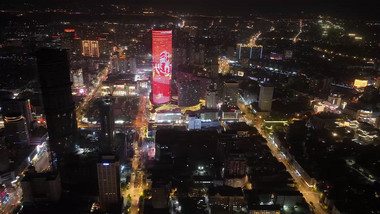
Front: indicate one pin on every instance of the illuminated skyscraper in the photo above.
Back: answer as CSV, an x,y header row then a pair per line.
x,y
86,48
162,65
90,48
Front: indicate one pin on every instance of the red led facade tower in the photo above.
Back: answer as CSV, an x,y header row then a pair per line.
x,y
162,65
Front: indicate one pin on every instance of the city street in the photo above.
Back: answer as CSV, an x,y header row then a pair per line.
x,y
80,110
13,201
136,184
311,196
15,192
308,193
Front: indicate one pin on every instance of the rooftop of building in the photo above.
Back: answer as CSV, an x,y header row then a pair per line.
x,y
31,174
225,191
360,106
108,158
266,84
327,115
226,108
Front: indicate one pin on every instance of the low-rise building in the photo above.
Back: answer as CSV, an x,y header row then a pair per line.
x,y
227,198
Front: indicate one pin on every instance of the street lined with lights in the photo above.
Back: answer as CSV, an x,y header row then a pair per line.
x,y
307,190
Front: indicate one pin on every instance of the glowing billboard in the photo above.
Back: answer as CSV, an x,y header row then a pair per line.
x,y
360,83
69,30
162,65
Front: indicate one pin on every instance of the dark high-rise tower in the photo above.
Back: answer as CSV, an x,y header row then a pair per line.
x,y
54,74
107,121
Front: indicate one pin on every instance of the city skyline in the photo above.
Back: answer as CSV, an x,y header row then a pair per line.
x,y
201,107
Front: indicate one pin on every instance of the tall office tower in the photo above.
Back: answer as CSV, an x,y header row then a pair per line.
x,y
211,98
247,54
107,121
54,74
67,39
94,48
230,91
12,107
16,129
90,48
162,65
251,53
265,98
86,47
108,169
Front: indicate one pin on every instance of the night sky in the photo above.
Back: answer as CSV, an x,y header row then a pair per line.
x,y
333,7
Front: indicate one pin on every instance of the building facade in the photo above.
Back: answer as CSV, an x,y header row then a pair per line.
x,y
54,75
265,98
90,48
108,169
162,66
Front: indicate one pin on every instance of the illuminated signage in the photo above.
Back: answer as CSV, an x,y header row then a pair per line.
x,y
69,30
360,83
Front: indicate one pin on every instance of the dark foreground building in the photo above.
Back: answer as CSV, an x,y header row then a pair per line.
x,y
54,75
